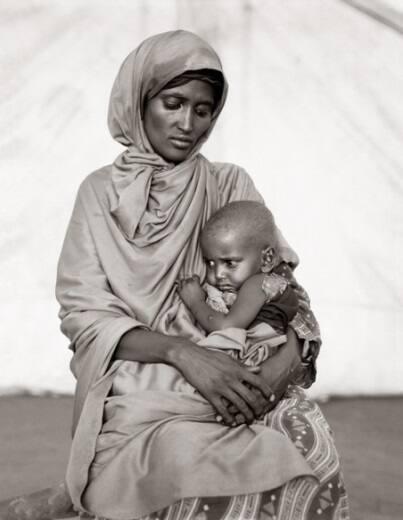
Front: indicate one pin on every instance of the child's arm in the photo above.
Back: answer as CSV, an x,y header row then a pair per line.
x,y
245,309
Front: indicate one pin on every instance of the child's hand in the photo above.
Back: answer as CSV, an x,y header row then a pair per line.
x,y
190,290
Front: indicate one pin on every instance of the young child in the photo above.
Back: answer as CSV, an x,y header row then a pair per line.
x,y
247,283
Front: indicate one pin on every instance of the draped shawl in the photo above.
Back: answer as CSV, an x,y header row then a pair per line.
x,y
134,230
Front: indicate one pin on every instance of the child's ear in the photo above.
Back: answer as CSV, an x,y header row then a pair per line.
x,y
268,259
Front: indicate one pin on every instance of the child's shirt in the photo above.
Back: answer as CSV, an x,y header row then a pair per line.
x,y
280,306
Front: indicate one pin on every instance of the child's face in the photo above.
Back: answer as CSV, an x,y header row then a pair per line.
x,y
230,260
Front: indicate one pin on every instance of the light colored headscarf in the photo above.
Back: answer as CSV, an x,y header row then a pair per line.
x,y
143,74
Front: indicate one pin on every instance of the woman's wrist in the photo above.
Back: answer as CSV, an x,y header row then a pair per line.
x,y
176,351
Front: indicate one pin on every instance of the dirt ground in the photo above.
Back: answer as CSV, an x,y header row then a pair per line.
x,y
35,439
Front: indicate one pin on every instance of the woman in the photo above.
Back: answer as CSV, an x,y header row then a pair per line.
x,y
144,445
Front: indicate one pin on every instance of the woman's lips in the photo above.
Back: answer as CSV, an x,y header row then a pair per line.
x,y
181,142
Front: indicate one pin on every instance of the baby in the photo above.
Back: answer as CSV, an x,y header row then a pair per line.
x,y
247,284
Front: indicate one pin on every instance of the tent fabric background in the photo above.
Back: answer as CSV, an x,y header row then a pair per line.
x,y
314,114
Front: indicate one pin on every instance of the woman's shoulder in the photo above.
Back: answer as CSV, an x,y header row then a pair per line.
x,y
98,177
225,169
234,183
229,173
97,181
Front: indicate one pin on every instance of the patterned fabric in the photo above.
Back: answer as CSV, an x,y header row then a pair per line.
x,y
301,420
215,299
306,328
273,286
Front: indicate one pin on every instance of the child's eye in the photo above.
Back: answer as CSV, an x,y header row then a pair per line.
x,y
210,263
231,264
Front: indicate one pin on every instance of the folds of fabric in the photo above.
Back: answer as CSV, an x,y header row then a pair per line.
x,y
134,231
142,75
300,420
108,285
280,313
157,446
155,424
251,347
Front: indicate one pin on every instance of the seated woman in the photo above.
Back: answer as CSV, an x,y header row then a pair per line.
x,y
143,447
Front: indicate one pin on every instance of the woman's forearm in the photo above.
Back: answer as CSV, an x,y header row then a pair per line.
x,y
146,346
216,376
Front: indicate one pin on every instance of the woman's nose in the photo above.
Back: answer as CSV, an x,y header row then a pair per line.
x,y
186,120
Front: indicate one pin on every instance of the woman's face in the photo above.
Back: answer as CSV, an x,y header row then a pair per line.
x,y
176,118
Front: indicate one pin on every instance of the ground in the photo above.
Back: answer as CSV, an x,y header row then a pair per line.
x,y
35,439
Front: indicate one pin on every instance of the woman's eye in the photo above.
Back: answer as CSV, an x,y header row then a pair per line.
x,y
172,105
203,112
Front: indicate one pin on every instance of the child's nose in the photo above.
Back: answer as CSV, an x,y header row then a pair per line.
x,y
220,272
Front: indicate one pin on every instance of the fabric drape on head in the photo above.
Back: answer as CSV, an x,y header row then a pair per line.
x,y
213,77
142,75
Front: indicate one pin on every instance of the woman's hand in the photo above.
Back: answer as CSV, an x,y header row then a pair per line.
x,y
280,370
224,383
218,378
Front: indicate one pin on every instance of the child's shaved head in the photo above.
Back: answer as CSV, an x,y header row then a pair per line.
x,y
250,220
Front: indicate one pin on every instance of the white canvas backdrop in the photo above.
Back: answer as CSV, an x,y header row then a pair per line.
x,y
315,114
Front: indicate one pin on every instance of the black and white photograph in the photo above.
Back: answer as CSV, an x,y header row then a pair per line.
x,y
201,260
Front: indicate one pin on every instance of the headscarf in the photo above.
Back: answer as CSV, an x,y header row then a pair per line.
x,y
144,73
210,76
